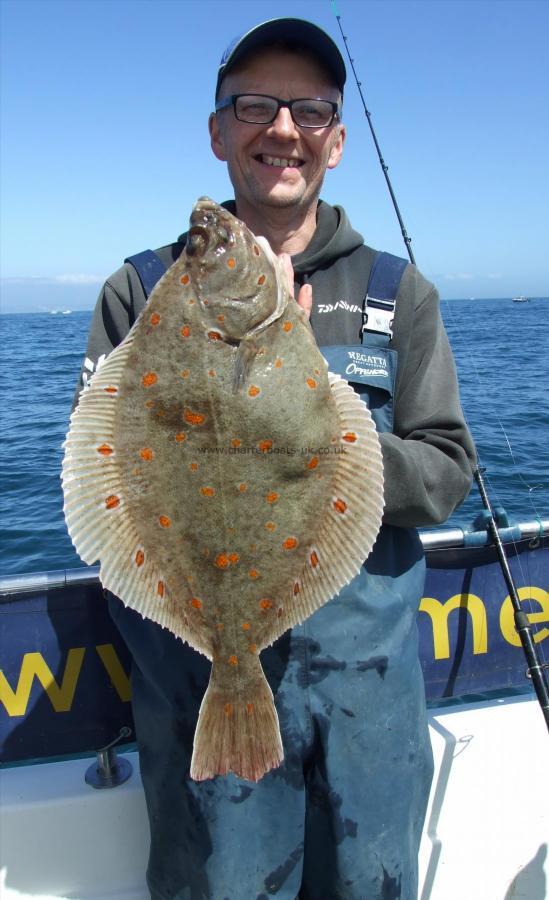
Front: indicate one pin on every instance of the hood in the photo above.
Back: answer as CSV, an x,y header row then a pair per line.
x,y
334,237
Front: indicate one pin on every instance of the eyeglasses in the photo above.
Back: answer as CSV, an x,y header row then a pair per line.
x,y
261,109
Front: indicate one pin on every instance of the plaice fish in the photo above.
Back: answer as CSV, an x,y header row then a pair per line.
x,y
227,482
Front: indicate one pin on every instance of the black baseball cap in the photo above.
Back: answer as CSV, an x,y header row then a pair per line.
x,y
291,31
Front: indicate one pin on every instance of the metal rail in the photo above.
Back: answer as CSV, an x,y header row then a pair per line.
x,y
440,539
454,538
11,585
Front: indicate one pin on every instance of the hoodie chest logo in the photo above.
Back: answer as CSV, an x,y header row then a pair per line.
x,y
339,304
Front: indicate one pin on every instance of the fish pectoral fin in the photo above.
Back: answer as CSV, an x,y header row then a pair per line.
x,y
236,732
245,355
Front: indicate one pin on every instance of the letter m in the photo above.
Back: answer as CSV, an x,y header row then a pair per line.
x,y
34,666
439,613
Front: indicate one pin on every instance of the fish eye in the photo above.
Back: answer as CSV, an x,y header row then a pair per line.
x,y
223,235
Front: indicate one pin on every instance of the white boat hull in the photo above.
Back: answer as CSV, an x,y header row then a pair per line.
x,y
485,836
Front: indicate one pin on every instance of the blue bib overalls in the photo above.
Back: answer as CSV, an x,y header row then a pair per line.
x,y
342,816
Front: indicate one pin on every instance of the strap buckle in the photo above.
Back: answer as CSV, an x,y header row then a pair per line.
x,y
378,316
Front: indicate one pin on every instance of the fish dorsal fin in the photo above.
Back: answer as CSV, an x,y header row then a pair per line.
x,y
352,520
105,529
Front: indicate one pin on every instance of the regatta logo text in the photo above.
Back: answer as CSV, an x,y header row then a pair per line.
x,y
353,369
367,365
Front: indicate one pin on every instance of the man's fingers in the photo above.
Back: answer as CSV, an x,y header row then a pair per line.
x,y
305,299
305,296
286,260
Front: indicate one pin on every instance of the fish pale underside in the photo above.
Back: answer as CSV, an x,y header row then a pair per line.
x,y
228,483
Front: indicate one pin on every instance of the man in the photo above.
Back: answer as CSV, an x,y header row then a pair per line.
x,y
342,816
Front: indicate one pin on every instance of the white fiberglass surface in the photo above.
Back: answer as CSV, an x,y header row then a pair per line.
x,y
485,836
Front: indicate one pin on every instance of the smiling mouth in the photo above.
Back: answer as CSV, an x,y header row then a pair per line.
x,y
279,162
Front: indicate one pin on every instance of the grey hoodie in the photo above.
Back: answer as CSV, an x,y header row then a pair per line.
x,y
428,458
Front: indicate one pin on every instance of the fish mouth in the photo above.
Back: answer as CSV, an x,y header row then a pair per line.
x,y
198,241
210,229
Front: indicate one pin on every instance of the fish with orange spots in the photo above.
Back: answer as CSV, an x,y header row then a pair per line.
x,y
290,494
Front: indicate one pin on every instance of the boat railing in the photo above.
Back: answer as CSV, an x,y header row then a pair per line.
x,y
437,539
450,538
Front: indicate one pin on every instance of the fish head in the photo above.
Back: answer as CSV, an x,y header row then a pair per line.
x,y
238,280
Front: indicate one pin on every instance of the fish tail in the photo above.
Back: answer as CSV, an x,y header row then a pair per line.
x,y
237,732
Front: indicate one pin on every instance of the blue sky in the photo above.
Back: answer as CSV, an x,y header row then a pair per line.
x,y
105,145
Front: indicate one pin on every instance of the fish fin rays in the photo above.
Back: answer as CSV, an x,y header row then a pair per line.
x,y
98,519
141,592
350,527
236,733
89,474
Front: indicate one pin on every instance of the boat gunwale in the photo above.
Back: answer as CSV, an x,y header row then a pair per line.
x,y
438,539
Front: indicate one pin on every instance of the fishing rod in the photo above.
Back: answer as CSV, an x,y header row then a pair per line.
x,y
385,168
536,669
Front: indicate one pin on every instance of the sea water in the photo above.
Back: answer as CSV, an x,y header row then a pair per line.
x,y
501,354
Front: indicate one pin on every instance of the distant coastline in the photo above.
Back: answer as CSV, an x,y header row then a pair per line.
x,y
56,312
60,308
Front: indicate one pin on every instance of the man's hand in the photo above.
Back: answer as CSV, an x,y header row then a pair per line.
x,y
305,296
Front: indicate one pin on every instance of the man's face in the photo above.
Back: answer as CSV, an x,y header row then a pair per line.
x,y
258,156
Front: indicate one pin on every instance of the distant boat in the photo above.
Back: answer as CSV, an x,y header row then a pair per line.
x,y
520,299
61,312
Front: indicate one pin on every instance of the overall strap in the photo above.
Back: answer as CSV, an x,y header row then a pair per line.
x,y
380,301
149,267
